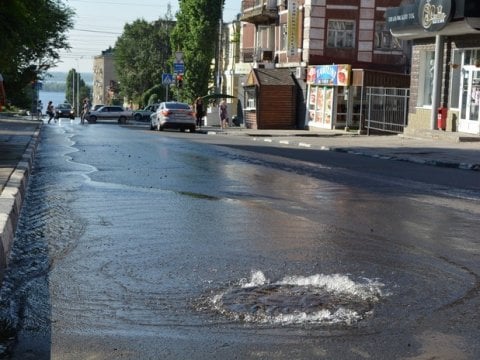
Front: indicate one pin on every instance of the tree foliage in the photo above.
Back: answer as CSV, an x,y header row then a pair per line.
x,y
32,33
142,53
196,34
74,80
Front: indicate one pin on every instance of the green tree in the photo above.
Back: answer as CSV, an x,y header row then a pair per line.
x,y
74,79
32,33
196,34
142,53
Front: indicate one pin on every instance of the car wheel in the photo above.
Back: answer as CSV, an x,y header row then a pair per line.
x,y
182,129
138,117
122,120
92,119
192,129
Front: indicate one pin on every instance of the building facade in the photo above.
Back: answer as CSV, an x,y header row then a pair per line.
x,y
445,87
104,78
296,35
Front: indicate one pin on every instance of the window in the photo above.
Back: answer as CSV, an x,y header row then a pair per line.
x,y
427,69
384,39
455,81
341,34
250,98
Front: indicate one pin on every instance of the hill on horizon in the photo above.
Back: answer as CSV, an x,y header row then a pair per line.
x,y
57,81
61,77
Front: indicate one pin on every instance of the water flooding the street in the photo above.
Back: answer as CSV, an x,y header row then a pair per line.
x,y
134,244
316,299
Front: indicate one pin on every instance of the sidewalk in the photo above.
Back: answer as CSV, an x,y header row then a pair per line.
x,y
18,141
437,150
19,137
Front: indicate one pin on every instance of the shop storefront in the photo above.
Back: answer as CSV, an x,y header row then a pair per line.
x,y
445,87
327,95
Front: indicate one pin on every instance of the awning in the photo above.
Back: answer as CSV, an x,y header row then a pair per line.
x,y
428,18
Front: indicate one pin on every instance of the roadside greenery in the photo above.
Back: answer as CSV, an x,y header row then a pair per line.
x,y
142,54
74,79
196,34
32,34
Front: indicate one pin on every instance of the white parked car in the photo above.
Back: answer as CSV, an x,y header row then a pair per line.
x,y
109,112
173,115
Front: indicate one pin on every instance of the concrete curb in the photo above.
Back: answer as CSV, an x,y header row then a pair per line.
x,y
438,163
11,199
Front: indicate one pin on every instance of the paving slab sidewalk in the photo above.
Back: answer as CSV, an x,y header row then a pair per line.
x,y
18,142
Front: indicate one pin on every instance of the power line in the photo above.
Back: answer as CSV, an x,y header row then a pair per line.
x,y
98,31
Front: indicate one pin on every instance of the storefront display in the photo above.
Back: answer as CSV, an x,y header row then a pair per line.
x,y
323,81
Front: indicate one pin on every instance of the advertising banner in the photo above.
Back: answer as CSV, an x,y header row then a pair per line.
x,y
329,75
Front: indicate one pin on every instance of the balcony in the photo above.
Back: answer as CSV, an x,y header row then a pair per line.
x,y
250,55
262,12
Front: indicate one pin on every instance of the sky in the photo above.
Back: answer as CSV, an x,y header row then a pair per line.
x,y
98,24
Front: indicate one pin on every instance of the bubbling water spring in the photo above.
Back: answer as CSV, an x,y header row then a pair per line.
x,y
317,299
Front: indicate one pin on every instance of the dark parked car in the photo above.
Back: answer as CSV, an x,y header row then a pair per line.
x,y
64,111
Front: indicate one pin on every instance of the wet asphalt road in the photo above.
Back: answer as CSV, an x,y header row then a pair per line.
x,y
142,245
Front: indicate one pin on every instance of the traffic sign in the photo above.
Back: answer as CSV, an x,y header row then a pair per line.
x,y
178,67
167,79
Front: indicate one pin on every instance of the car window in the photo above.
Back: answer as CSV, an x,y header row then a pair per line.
x,y
180,106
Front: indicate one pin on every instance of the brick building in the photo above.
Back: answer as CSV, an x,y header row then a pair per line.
x,y
295,36
445,87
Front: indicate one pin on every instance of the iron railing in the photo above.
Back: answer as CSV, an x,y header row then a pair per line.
x,y
387,109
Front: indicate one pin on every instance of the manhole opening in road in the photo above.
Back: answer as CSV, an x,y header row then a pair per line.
x,y
317,299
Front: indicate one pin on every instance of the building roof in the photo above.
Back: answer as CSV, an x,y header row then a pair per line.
x,y
271,77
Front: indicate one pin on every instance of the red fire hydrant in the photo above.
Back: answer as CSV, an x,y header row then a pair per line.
x,y
442,118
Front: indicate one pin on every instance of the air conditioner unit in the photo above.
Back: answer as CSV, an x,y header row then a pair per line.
x,y
300,72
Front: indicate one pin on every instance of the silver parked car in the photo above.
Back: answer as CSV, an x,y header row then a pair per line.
x,y
109,112
144,114
173,115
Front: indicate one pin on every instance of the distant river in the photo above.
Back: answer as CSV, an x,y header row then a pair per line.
x,y
55,97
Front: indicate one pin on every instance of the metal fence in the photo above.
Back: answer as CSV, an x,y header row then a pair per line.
x,y
387,109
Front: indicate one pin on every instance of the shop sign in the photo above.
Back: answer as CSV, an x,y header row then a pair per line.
x,y
434,15
292,28
401,17
329,75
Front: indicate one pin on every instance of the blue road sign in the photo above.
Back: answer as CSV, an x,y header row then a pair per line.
x,y
167,79
178,68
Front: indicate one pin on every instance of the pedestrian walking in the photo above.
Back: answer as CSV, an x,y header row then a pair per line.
x,y
222,110
3,97
50,111
199,111
85,110
39,109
